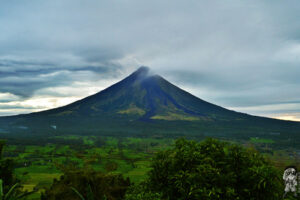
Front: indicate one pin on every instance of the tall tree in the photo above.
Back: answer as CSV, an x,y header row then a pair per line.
x,y
213,170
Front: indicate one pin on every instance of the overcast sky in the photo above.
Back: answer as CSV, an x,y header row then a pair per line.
x,y
239,54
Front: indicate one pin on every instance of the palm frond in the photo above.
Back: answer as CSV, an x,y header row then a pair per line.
x,y
78,193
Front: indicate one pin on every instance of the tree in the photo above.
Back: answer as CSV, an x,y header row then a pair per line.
x,y
10,188
87,184
141,192
6,170
213,170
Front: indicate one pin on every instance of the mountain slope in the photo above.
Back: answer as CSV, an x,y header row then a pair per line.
x,y
143,103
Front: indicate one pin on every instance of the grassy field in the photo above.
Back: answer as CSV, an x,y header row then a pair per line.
x,y
261,140
37,165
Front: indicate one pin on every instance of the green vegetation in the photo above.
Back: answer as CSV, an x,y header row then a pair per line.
x,y
133,110
158,167
40,160
174,117
10,187
87,184
261,140
213,170
13,193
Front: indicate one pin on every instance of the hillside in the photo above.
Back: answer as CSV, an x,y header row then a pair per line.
x,y
141,104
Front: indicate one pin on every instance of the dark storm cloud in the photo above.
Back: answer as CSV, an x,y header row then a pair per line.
x,y
233,53
24,78
20,68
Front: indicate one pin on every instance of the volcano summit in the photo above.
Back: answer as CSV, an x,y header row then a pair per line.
x,y
144,104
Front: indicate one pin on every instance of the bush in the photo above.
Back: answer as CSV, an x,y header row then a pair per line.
x,y
6,170
89,184
141,192
10,187
213,170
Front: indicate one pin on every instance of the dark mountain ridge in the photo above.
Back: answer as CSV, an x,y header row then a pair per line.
x,y
142,104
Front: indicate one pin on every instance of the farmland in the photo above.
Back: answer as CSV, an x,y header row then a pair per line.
x,y
37,164
39,161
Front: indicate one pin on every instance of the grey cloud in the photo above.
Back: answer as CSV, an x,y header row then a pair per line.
x,y
7,97
19,107
25,78
240,53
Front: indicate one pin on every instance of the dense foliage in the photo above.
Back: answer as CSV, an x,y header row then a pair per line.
x,y
213,170
10,187
6,170
88,184
142,192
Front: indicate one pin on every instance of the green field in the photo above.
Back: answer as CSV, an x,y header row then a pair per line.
x,y
261,140
38,164
39,161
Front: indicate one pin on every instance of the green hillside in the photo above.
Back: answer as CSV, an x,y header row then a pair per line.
x,y
144,104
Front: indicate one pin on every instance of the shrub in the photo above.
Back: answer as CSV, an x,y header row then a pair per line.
x,y
141,192
213,170
89,184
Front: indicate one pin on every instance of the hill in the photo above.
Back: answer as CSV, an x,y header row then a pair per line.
x,y
144,104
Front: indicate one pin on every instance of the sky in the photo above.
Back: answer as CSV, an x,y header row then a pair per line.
x,y
243,55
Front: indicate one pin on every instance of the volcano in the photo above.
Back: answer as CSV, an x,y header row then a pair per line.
x,y
144,104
